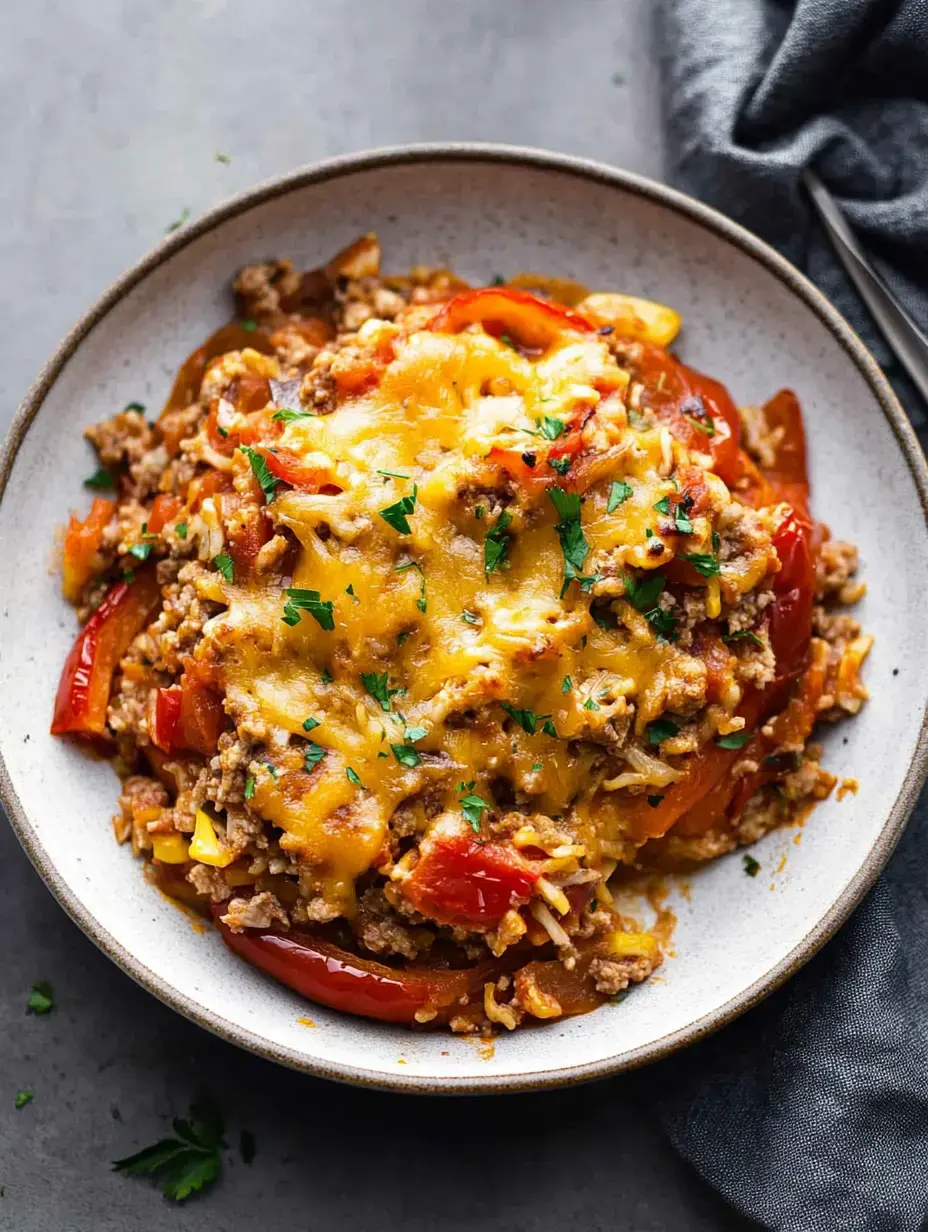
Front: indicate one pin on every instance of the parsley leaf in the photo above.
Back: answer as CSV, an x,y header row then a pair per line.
x,y
663,505
567,685
141,551
472,807
751,866
706,565
462,786
222,158
618,492
570,533
261,472
41,998
349,590
589,704
406,755
249,787
741,636
189,1162
643,595
249,326
529,721
135,406
100,481
551,428
326,676
412,734
353,777
394,475
397,515
178,222
310,724
734,740
469,617
421,602
286,415
225,564
561,464
496,544
379,689
661,730
698,414
24,1097
312,754
180,530
308,601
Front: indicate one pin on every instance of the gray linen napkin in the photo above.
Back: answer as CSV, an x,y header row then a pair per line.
x,y
811,1112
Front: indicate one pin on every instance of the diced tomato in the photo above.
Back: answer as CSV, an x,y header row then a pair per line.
x,y
164,509
187,717
461,880
529,321
207,485
291,467
87,676
82,541
246,533
325,973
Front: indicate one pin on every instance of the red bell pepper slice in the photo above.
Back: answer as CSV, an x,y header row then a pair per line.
x,y
87,676
325,973
460,880
81,543
291,467
527,320
187,717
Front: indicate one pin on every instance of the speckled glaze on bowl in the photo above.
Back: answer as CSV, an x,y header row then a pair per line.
x,y
750,320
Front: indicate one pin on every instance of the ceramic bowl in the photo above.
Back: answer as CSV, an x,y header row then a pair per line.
x,y
750,320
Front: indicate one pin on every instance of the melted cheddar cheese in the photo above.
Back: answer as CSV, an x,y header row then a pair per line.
x,y
440,675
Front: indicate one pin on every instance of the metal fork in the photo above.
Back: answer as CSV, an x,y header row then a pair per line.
x,y
908,342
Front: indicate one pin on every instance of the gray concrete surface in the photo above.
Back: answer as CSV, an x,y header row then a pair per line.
x,y
113,115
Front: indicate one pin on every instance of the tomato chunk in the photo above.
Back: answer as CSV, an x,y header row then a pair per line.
x,y
528,320
84,688
460,880
187,717
81,543
325,973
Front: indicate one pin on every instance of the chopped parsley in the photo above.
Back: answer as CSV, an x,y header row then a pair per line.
x,y
751,866
41,998
326,676
696,411
412,734
551,428
529,721
706,565
496,544
663,505
261,472
643,595
353,777
310,724
24,1097
679,512
661,730
286,415
462,786
308,601
225,564
570,534
135,406
479,511
734,740
188,1162
473,807
180,530
589,704
272,770
249,787
497,281
178,222
561,464
222,158
349,590
536,767
142,550
469,617
100,481
394,475
741,636
379,689
618,492
406,755
401,637
312,754
507,341
567,685
421,602
397,515
249,326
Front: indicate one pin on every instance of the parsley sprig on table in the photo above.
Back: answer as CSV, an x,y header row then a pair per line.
x,y
41,998
188,1162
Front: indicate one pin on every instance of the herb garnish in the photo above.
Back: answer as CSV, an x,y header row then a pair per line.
x,y
312,754
310,724
190,1161
662,729
567,685
353,777
225,564
249,326
654,801
589,704
412,734
472,807
135,406
734,740
551,428
469,617
697,412
421,602
349,590
261,472
24,1097
41,998
570,534
379,689
751,866
706,565
308,601
397,515
643,595
100,481
286,415
619,491
178,222
561,465
741,636
249,787
406,755
394,475
529,721
496,544
222,158
180,530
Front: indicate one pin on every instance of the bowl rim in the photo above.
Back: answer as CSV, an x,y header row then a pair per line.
x,y
652,191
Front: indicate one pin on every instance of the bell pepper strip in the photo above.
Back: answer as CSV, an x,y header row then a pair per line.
x,y
82,541
789,474
87,677
460,880
291,467
526,320
187,717
165,508
327,974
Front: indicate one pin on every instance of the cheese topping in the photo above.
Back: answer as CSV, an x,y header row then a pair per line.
x,y
479,622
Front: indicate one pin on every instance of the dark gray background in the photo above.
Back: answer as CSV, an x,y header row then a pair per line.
x,y
113,114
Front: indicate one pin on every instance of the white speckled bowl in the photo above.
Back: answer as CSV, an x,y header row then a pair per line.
x,y
750,319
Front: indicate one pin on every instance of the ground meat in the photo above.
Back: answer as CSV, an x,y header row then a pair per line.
x,y
261,287
836,564
209,882
127,712
318,390
613,975
124,438
379,930
260,911
810,780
